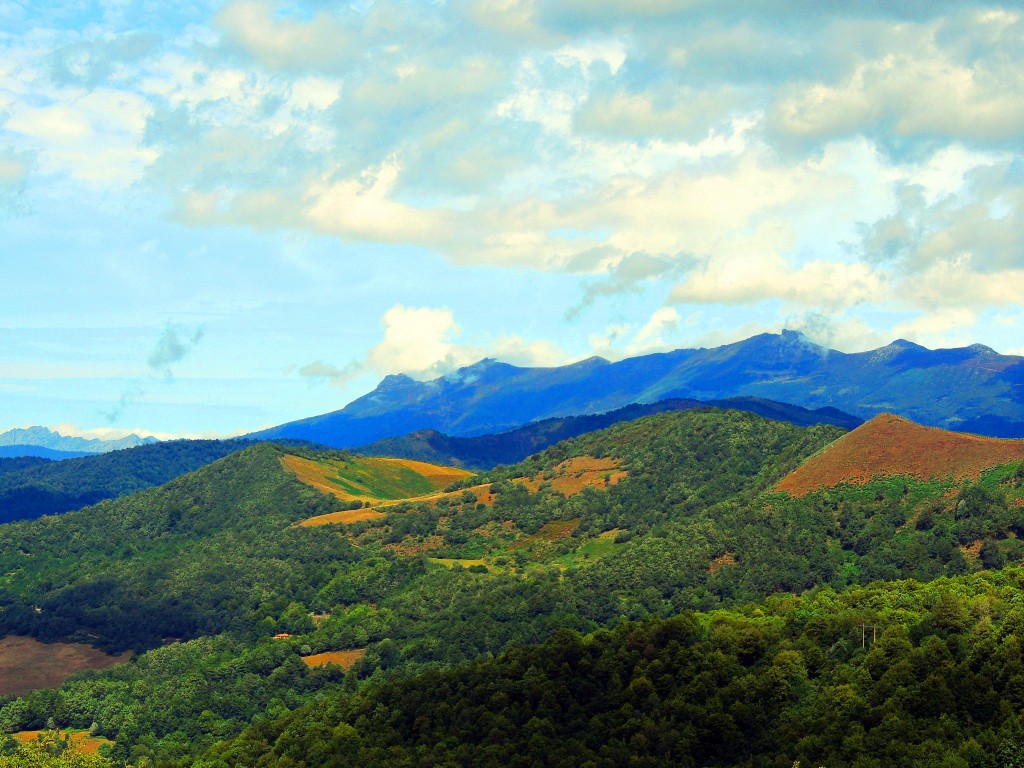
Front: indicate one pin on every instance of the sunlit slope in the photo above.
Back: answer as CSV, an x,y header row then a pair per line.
x,y
888,446
372,479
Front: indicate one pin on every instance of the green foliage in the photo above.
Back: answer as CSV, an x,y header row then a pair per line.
x,y
49,750
696,528
891,674
31,488
211,551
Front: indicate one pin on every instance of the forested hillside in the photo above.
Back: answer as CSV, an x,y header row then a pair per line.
x,y
665,515
888,675
33,487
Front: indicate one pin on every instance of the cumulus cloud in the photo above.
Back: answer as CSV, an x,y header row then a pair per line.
x,y
256,27
725,152
423,342
626,274
752,279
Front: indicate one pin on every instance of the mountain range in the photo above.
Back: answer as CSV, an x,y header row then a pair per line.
x,y
40,441
487,451
968,389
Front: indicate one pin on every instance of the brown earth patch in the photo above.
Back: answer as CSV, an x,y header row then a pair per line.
x,y
573,475
1017,503
27,664
84,743
727,558
343,659
438,475
428,544
888,445
321,475
556,529
344,517
973,550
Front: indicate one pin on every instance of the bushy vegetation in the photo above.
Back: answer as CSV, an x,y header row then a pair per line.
x,y
214,559
893,674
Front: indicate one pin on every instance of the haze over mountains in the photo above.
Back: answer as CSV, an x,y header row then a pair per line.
x,y
968,389
40,441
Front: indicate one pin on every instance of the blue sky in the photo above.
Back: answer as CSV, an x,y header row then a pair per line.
x,y
233,214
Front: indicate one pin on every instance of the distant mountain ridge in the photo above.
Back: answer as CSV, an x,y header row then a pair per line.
x,y
22,441
488,451
968,389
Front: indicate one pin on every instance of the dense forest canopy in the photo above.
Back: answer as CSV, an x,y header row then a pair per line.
x,y
200,575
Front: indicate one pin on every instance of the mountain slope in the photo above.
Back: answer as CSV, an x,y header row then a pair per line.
x,y
888,675
487,451
972,388
669,513
888,445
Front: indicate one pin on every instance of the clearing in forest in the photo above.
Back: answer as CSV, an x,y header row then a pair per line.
x,y
343,659
372,479
573,475
84,743
27,664
888,445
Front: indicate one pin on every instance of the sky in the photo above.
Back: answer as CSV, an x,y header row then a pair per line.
x,y
220,216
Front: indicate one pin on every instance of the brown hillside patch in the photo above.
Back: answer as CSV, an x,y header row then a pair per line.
x,y
343,659
321,475
552,531
84,743
889,445
971,552
27,664
314,474
572,476
412,547
727,558
438,475
345,516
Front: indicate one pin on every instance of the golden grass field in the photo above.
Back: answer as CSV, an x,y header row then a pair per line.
x,y
84,743
27,664
572,476
343,659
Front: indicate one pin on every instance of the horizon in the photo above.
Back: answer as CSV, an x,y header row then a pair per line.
x,y
237,213
111,434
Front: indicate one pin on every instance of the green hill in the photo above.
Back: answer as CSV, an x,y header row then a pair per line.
x,y
33,487
668,514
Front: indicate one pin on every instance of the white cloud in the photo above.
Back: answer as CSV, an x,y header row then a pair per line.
x,y
664,320
928,82
322,42
418,341
363,209
749,279
94,136
947,327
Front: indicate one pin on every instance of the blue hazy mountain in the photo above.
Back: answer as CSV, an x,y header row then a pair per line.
x,y
488,451
40,441
970,389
